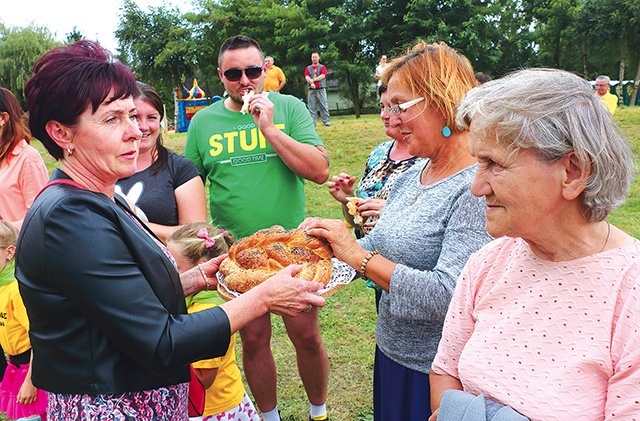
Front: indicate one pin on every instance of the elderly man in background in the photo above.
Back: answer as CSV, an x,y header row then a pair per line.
x,y
603,85
275,79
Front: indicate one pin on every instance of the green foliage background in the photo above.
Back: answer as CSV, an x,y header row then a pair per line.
x,y
168,49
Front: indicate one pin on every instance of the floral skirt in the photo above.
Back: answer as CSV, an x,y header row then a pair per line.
x,y
245,411
162,404
11,383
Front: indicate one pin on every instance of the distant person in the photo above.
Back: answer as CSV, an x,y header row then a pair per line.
x,y
275,79
18,397
256,163
380,68
316,76
166,189
22,170
603,87
482,78
225,398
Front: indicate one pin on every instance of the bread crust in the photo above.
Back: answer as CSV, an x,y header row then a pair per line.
x,y
259,256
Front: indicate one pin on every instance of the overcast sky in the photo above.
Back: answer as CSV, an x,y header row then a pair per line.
x,y
96,20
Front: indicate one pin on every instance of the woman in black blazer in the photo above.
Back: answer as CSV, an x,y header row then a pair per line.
x,y
109,328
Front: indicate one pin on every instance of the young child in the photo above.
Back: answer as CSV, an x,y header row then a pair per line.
x,y
19,399
225,395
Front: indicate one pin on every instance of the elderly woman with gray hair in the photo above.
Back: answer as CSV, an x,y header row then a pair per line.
x,y
545,318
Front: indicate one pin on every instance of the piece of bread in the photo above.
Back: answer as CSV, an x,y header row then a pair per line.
x,y
245,101
352,208
255,258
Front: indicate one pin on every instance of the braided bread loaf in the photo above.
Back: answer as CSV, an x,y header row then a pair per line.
x,y
255,258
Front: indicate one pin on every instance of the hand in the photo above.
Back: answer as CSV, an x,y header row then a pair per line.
x,y
370,207
27,393
341,186
289,296
261,108
336,233
211,267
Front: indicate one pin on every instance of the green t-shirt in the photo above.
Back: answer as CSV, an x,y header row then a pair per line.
x,y
250,187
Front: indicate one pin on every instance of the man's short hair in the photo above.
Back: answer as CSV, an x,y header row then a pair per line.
x,y
236,43
605,78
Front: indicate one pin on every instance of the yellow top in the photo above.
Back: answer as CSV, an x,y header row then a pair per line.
x,y
610,100
227,389
14,323
275,75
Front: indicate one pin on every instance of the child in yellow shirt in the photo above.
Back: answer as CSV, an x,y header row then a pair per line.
x,y
225,395
18,397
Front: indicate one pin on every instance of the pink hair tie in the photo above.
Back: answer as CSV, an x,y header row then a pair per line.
x,y
209,242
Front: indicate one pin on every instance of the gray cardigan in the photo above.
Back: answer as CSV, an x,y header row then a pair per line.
x,y
430,232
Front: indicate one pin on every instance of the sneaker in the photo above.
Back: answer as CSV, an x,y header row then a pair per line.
x,y
319,418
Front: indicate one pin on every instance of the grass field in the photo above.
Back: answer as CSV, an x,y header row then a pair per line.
x,y
348,320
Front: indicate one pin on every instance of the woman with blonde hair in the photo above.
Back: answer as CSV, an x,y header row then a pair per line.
x,y
430,225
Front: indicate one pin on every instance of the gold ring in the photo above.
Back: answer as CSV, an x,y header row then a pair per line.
x,y
308,308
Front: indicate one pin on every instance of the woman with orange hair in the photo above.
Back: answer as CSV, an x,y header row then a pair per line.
x,y
429,227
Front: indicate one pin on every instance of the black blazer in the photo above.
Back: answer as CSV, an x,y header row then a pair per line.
x,y
106,308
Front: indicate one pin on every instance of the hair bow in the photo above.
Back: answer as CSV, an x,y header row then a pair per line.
x,y
209,242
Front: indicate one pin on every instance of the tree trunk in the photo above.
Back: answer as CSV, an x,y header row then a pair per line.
x,y
354,88
619,91
585,60
636,82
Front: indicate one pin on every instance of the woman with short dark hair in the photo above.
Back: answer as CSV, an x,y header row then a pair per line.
x,y
109,329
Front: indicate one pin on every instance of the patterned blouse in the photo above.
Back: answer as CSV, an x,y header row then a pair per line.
x,y
378,177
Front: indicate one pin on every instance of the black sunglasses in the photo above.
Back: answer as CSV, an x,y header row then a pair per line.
x,y
235,75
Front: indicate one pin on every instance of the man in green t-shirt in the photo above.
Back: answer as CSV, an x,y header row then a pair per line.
x,y
256,160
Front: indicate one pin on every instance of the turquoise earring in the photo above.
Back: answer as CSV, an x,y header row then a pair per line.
x,y
446,131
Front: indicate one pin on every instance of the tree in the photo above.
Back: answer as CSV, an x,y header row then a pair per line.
x,y
74,35
284,29
166,49
158,47
20,48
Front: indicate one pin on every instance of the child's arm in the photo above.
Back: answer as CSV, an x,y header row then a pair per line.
x,y
206,376
27,393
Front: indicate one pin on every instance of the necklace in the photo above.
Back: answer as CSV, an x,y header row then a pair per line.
x,y
435,176
451,161
606,241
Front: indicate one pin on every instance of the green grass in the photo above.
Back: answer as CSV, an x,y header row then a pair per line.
x,y
348,320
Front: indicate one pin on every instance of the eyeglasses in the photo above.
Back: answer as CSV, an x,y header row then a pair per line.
x,y
234,75
397,109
